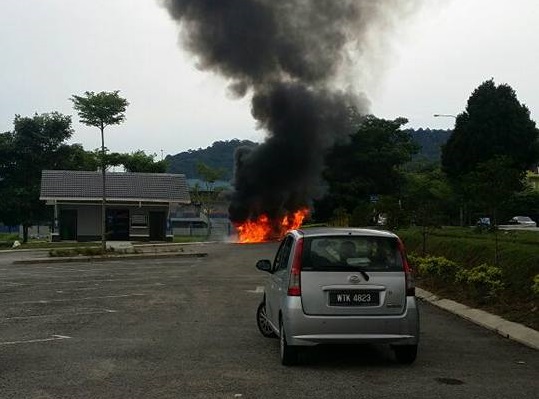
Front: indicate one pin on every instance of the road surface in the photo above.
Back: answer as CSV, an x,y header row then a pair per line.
x,y
185,328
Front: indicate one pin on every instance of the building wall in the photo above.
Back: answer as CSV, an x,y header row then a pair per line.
x,y
89,219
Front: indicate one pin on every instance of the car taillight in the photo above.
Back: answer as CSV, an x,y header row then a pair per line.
x,y
408,272
294,285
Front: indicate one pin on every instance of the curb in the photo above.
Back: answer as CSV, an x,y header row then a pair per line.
x,y
108,258
508,329
137,245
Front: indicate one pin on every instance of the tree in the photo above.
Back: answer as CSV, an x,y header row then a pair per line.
x,y
426,198
36,143
207,196
138,162
494,124
101,110
494,128
366,167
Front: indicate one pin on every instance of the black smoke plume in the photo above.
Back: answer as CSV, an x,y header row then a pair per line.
x,y
291,57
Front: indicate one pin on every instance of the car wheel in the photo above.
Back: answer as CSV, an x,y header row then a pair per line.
x,y
263,323
289,354
405,354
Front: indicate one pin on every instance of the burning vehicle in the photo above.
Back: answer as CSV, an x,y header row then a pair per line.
x,y
299,62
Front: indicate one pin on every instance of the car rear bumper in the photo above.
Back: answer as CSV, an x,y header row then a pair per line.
x,y
307,330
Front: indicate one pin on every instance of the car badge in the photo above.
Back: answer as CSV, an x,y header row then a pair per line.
x,y
354,279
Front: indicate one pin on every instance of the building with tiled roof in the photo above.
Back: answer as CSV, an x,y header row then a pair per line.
x,y
138,206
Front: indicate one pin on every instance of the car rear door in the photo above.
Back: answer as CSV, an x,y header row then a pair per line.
x,y
278,280
369,282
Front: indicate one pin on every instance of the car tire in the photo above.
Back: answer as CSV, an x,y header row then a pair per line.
x,y
262,322
289,353
405,354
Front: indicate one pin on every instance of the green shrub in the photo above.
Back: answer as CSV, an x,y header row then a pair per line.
x,y
484,281
69,252
62,252
518,254
89,251
535,286
437,267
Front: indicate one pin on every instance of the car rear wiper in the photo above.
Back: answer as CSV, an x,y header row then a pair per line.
x,y
364,274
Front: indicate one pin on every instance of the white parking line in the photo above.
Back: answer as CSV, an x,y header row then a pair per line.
x,y
58,315
52,270
99,280
10,284
89,298
31,341
259,290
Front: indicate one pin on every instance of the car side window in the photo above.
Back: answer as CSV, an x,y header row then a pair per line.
x,y
283,254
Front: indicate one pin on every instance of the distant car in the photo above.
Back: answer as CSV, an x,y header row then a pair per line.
x,y
483,222
523,221
340,286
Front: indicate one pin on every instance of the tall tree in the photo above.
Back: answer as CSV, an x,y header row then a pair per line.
x,y
101,110
494,126
36,143
367,166
207,196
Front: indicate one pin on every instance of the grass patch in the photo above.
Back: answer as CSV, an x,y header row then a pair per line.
x,y
506,289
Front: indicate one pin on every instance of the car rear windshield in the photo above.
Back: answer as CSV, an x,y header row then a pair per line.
x,y
336,253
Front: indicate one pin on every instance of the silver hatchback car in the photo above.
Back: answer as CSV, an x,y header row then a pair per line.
x,y
340,286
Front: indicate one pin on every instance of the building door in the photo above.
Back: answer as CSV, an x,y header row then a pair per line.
x,y
157,226
68,224
118,224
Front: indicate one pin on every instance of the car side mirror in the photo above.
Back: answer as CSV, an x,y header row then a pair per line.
x,y
264,265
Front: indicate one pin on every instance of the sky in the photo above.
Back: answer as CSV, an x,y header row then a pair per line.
x,y
433,60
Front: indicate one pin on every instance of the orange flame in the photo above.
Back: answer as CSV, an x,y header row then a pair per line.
x,y
263,229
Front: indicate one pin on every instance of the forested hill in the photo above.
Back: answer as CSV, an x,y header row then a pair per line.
x,y
431,141
221,153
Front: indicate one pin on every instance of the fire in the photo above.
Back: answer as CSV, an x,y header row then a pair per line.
x,y
263,229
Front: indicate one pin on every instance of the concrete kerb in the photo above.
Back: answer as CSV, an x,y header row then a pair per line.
x,y
109,258
508,329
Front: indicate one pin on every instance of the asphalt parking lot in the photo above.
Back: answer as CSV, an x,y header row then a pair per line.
x,y
185,328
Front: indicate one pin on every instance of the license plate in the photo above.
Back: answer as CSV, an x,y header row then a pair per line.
x,y
354,298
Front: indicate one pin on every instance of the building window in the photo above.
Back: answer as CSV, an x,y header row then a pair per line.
x,y
139,221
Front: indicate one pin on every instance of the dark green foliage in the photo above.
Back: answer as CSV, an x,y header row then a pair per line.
x,y
535,286
436,267
220,155
494,124
518,253
36,143
100,109
493,143
523,203
492,183
137,161
485,282
426,197
366,166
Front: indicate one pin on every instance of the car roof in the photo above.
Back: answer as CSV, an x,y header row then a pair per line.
x,y
342,231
